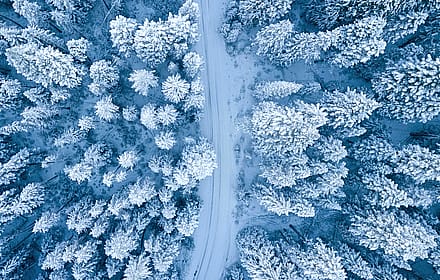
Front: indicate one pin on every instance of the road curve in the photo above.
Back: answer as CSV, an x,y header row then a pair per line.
x,y
214,239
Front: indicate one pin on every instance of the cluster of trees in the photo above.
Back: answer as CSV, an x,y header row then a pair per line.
x,y
100,157
334,154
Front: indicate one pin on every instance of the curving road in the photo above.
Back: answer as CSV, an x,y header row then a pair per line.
x,y
214,239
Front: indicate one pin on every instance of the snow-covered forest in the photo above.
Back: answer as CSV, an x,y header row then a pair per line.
x,y
235,139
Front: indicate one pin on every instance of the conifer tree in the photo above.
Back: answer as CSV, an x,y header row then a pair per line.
x,y
408,89
261,11
122,33
396,233
45,65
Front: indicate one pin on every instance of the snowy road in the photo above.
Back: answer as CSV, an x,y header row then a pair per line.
x,y
214,239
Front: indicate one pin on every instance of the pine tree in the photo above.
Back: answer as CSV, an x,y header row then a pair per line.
x,y
359,42
45,222
175,89
258,255
321,262
262,11
150,43
106,110
149,116
348,109
29,10
78,48
187,219
396,233
10,170
141,191
199,159
273,42
419,163
143,81
280,130
122,33
403,25
408,89
192,64
128,159
195,100
104,76
9,93
167,115
45,65
121,243
79,172
138,268
130,113
165,140
276,89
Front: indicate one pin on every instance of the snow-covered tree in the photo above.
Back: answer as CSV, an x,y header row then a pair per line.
x,y
348,109
138,268
143,81
408,89
121,243
187,219
14,204
106,110
128,159
122,33
199,159
31,11
130,113
195,98
274,41
192,64
150,43
403,25
167,115
104,76
419,163
11,169
276,89
164,249
149,116
279,202
79,172
259,256
45,65
78,48
321,262
281,130
358,42
165,140
141,191
263,11
175,89
396,233
9,93
45,222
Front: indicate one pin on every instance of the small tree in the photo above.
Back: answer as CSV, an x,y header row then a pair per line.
x,y
199,159
143,81
276,89
175,88
106,110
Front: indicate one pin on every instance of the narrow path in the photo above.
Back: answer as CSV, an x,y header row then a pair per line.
x,y
214,239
